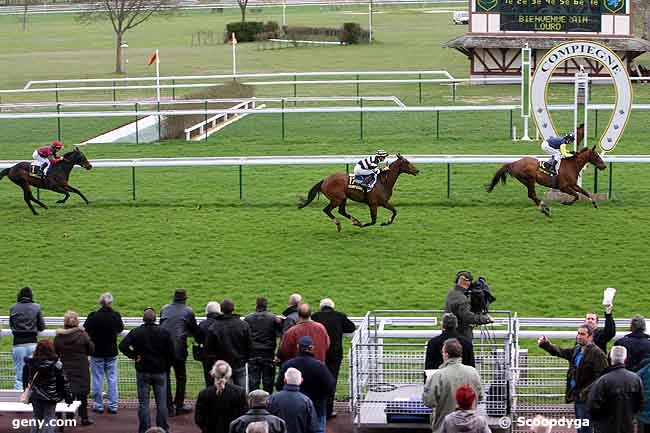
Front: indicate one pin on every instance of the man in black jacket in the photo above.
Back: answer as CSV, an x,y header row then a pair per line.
x,y
103,326
212,313
257,401
294,407
265,327
230,339
458,303
291,312
637,344
26,321
433,358
336,324
318,383
178,319
615,398
152,348
602,336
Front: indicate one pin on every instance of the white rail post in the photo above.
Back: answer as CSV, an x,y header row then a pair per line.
x,y
525,89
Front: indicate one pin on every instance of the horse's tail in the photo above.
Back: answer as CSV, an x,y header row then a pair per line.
x,y
500,175
4,173
311,196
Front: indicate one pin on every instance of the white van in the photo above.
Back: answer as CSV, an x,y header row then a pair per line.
x,y
461,17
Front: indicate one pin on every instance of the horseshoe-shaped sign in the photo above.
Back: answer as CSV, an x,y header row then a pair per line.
x,y
611,62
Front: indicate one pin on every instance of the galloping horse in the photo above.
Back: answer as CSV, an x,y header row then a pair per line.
x,y
335,188
56,179
526,171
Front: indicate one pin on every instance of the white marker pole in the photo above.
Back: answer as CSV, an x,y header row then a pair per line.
x,y
157,76
233,41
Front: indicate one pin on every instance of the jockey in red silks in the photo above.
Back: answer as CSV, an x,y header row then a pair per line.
x,y
46,156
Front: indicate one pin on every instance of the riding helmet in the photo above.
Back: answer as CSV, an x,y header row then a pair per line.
x,y
381,152
57,144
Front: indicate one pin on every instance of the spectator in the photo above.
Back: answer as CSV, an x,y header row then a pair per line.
x,y
637,344
294,407
229,339
458,303
586,363
440,388
73,346
212,312
336,324
465,419
257,401
291,312
615,398
602,336
26,321
305,326
152,348
644,415
433,358
178,319
103,326
318,383
48,385
265,327
221,403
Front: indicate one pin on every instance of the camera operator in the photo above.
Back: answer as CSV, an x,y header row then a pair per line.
x,y
458,302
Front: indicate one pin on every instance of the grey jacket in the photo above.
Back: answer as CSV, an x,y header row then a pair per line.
x,y
458,303
25,319
440,389
179,320
465,421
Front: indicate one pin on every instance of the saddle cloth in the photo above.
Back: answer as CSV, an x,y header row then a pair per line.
x,y
541,166
352,183
35,170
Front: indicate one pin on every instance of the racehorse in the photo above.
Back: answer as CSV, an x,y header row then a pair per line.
x,y
56,179
526,170
335,187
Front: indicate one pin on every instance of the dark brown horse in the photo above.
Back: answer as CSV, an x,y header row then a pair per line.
x,y
335,188
526,170
56,179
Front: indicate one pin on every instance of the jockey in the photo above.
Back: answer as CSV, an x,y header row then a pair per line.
x,y
366,170
556,147
46,156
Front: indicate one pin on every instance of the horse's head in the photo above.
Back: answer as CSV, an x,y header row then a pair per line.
x,y
595,159
76,157
404,165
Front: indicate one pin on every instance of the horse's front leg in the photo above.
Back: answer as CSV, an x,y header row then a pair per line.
x,y
584,192
60,190
569,190
373,216
76,191
390,207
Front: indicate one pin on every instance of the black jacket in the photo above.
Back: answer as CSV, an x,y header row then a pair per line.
x,y
214,412
25,318
615,399
290,317
295,408
178,319
602,336
317,381
433,359
265,327
637,344
276,425
229,339
150,346
336,324
204,327
458,302
103,326
49,381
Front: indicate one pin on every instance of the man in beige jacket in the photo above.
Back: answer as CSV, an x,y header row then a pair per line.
x,y
440,389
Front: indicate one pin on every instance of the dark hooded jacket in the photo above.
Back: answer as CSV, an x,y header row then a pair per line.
x,y
74,347
49,381
26,318
615,399
179,320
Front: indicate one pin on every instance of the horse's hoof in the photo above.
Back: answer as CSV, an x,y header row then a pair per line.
x,y
338,228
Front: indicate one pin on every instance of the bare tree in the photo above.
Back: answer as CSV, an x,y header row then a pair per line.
x,y
124,15
242,6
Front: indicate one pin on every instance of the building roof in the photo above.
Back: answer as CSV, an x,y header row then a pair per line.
x,y
468,42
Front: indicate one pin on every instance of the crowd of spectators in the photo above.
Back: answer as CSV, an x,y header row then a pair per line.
x,y
306,349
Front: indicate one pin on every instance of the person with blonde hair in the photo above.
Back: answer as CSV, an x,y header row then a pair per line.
x,y
73,345
221,403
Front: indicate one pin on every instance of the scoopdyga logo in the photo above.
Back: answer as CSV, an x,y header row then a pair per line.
x,y
614,6
601,54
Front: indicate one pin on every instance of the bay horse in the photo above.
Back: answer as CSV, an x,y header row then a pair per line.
x,y
56,179
335,188
526,170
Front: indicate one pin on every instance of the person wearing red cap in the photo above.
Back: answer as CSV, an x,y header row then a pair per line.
x,y
46,156
464,418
